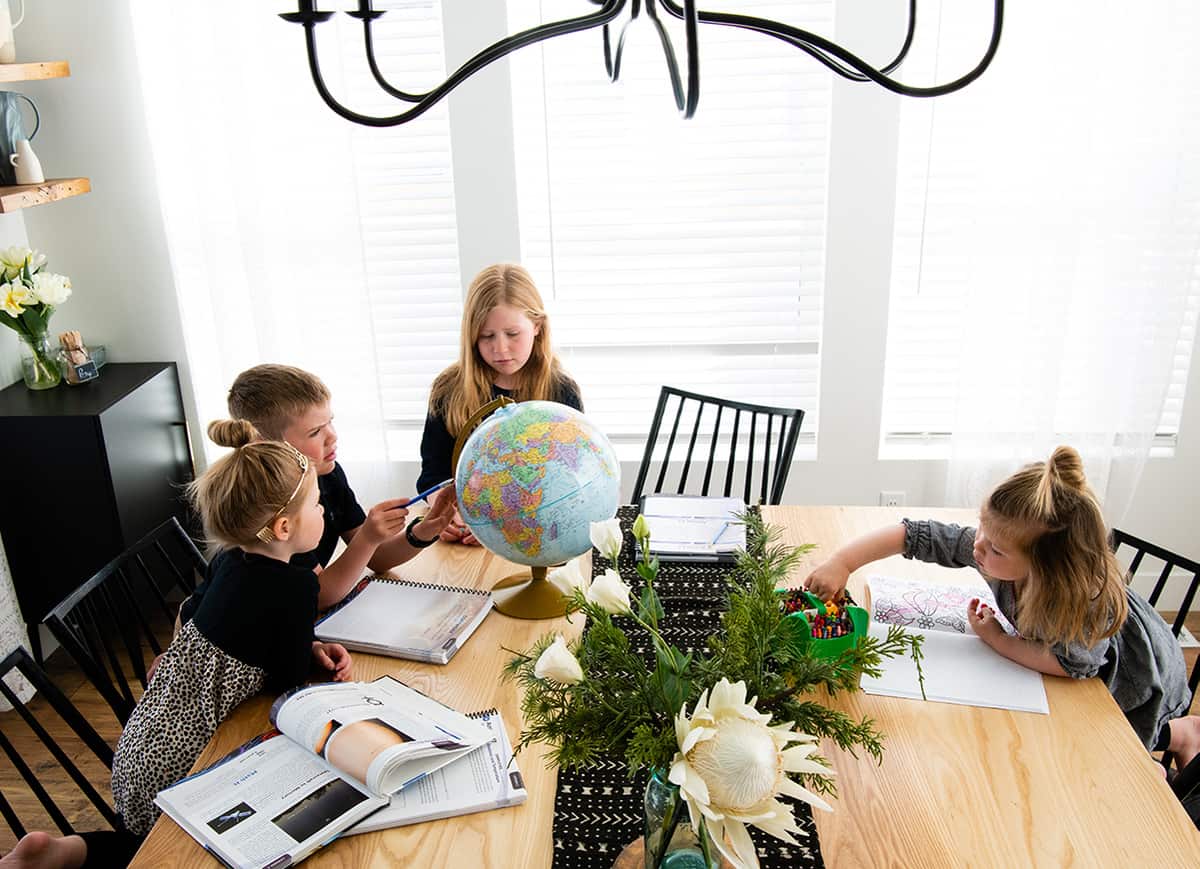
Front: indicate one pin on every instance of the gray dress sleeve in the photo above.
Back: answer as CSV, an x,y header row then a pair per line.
x,y
949,545
1079,661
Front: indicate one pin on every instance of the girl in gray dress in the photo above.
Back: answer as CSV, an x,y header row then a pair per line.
x,y
1042,547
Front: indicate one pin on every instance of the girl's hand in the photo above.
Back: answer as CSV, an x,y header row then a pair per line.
x,y
437,520
333,656
458,532
384,521
982,619
828,580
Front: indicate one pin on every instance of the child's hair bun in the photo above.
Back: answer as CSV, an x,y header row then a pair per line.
x,y
232,432
1067,465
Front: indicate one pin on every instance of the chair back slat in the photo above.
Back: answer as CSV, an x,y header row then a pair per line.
x,y
758,455
110,623
733,441
34,769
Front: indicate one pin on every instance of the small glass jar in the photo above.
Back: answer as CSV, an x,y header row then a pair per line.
x,y
77,365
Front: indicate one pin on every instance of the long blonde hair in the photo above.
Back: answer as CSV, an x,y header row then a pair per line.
x,y
1076,592
243,491
466,386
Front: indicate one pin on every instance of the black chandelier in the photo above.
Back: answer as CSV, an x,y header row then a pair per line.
x,y
687,95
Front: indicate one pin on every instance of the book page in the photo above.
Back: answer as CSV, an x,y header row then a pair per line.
x,y
959,668
268,801
930,606
483,780
694,525
405,619
382,733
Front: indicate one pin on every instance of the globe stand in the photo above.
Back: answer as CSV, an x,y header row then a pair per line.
x,y
529,596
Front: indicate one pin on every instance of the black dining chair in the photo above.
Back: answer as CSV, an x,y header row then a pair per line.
x,y
755,442
56,755
1172,565
113,621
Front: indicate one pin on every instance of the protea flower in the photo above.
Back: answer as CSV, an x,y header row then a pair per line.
x,y
731,767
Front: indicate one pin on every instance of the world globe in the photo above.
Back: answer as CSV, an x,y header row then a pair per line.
x,y
532,478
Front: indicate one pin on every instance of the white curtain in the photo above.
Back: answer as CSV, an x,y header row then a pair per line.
x,y
1061,202
282,227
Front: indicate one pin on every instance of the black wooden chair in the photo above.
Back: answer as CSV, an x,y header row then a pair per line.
x,y
110,622
1170,564
761,441
36,768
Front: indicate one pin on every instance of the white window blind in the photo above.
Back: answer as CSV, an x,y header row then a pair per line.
x,y
1026,122
406,206
687,253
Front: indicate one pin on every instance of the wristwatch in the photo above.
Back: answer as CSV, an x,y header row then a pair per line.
x,y
415,541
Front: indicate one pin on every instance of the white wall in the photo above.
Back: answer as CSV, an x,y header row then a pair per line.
x,y
111,243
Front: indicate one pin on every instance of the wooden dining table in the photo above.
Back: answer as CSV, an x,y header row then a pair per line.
x,y
957,785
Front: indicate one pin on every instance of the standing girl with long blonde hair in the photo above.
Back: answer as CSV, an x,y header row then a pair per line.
x,y
504,349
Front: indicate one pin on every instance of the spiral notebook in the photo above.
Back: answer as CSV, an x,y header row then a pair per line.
x,y
403,619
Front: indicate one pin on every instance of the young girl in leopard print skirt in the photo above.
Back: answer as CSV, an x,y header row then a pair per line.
x,y
254,628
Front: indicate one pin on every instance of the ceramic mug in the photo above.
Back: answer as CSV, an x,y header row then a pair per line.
x,y
8,48
12,130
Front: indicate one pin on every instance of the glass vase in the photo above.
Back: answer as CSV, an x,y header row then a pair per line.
x,y
38,364
671,841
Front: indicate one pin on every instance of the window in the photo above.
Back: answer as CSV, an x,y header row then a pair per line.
x,y
688,253
1018,209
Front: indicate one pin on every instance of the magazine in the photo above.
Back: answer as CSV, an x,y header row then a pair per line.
x,y
337,753
415,620
694,527
483,780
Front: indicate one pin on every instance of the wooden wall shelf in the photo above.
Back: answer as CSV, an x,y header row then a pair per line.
x,y
28,195
10,72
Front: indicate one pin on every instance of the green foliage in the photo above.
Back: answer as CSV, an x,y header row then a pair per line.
x,y
623,707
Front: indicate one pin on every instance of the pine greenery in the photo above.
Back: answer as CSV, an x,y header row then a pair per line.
x,y
625,707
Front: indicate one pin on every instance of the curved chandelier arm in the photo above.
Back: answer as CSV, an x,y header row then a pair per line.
x,y
309,18
685,101
821,49
366,14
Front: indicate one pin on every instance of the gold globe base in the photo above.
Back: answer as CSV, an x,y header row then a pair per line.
x,y
529,596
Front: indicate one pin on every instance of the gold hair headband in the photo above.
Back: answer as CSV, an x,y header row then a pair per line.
x,y
265,534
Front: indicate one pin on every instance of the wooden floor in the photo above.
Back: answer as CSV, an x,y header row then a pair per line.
x,y
74,805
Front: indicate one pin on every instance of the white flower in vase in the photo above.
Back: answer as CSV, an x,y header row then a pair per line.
x,y
557,664
51,289
606,537
732,767
566,578
610,592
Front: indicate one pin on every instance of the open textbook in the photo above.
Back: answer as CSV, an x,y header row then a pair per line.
x,y
694,527
338,753
957,665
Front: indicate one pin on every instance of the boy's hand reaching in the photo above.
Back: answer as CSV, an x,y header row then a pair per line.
x,y
458,532
333,656
983,621
384,521
828,580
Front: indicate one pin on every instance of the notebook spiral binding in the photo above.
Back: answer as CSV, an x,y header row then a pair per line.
x,y
432,586
483,713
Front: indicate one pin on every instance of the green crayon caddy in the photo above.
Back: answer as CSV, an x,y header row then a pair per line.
x,y
829,647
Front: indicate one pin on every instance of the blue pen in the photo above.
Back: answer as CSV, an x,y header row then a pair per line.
x,y
422,496
724,528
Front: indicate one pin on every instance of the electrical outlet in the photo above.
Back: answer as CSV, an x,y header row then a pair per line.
x,y
891,499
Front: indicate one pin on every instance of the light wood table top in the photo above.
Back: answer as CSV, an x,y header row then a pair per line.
x,y
963,785
958,785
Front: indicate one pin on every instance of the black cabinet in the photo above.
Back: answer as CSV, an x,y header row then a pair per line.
x,y
86,471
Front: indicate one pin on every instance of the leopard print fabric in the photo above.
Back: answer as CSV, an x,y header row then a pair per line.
x,y
194,688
